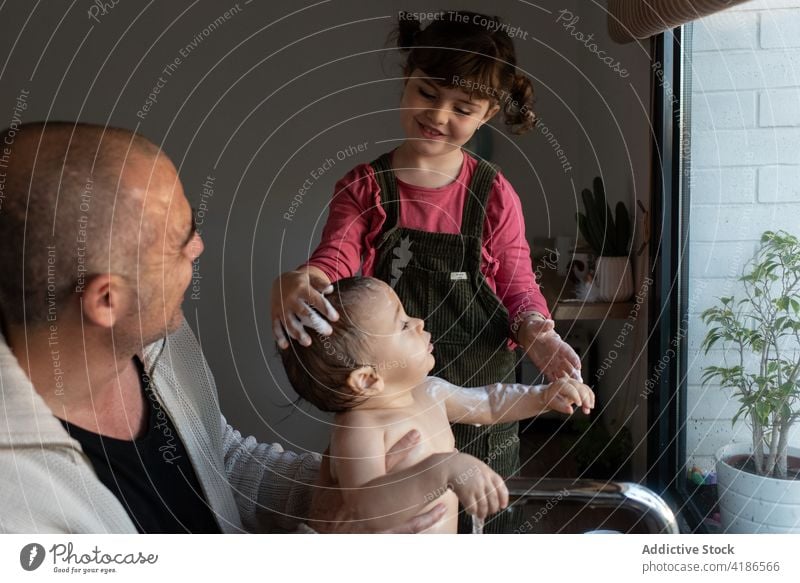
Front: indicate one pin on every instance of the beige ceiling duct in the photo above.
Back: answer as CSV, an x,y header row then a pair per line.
x,y
637,19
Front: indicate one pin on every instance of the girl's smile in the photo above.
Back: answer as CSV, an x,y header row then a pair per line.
x,y
429,132
440,119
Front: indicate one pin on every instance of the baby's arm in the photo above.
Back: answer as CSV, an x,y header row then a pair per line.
x,y
499,402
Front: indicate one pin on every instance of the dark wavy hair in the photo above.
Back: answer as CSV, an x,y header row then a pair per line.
x,y
319,373
473,47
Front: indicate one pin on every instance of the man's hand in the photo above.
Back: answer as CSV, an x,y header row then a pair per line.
x,y
328,514
551,355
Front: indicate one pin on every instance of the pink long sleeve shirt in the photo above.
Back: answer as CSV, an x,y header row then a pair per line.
x,y
356,217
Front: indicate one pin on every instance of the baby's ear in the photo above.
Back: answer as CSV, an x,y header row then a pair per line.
x,y
365,382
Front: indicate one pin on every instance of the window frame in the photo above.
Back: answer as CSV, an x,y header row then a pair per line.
x,y
666,443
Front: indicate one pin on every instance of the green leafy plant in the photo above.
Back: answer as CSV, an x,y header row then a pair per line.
x,y
608,235
765,324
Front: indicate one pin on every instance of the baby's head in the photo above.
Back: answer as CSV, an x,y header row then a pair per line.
x,y
375,348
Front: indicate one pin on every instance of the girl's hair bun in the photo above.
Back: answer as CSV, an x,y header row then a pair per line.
x,y
518,111
407,31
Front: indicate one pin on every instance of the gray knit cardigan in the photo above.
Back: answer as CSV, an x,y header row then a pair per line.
x,y
47,484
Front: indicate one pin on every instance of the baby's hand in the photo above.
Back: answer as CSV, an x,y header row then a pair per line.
x,y
562,394
479,489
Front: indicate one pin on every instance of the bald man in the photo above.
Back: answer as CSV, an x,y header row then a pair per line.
x,y
109,420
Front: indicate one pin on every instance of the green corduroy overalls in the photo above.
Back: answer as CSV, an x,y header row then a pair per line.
x,y
437,277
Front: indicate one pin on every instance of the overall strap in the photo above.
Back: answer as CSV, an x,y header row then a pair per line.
x,y
390,202
474,213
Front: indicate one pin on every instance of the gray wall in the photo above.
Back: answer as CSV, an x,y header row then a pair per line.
x,y
273,91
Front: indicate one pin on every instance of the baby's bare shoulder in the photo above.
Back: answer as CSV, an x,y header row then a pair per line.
x,y
433,389
357,419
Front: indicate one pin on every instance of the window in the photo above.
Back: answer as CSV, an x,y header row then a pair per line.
x,y
730,156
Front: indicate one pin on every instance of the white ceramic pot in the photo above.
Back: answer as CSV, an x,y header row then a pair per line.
x,y
613,279
752,504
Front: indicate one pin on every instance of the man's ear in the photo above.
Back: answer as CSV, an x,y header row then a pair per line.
x,y
106,298
365,382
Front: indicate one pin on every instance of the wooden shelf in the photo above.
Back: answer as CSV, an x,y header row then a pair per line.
x,y
580,310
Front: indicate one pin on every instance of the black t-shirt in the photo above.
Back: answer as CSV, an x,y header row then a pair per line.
x,y
151,476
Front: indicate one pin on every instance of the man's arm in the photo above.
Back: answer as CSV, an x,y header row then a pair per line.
x,y
272,487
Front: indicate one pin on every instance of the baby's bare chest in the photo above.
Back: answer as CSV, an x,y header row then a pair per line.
x,y
436,436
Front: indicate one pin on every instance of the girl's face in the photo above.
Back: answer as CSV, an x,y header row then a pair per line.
x,y
438,120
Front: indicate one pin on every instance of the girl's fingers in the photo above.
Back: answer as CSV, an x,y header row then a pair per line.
x,y
329,309
296,330
280,337
572,357
311,319
322,305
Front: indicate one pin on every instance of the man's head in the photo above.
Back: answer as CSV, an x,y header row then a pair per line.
x,y
375,348
95,229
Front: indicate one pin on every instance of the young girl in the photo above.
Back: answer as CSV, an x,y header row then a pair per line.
x,y
444,229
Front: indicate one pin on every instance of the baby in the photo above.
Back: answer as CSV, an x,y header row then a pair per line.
x,y
373,373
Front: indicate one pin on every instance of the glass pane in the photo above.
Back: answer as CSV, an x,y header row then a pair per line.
x,y
741,177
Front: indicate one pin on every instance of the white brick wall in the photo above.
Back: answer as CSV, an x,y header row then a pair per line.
x,y
779,107
745,156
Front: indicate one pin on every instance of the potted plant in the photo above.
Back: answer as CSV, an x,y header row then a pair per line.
x,y
758,483
609,237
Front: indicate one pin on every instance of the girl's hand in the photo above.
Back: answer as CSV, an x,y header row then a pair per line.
x,y
293,295
562,394
551,355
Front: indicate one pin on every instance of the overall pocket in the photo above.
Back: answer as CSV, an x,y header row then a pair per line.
x,y
452,307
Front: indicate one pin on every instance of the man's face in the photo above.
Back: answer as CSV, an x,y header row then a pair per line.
x,y
166,266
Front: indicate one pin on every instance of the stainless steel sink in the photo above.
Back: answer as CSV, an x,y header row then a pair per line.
x,y
547,505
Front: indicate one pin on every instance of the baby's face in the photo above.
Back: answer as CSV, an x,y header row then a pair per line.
x,y
399,347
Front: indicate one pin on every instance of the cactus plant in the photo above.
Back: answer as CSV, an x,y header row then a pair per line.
x,y
607,235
